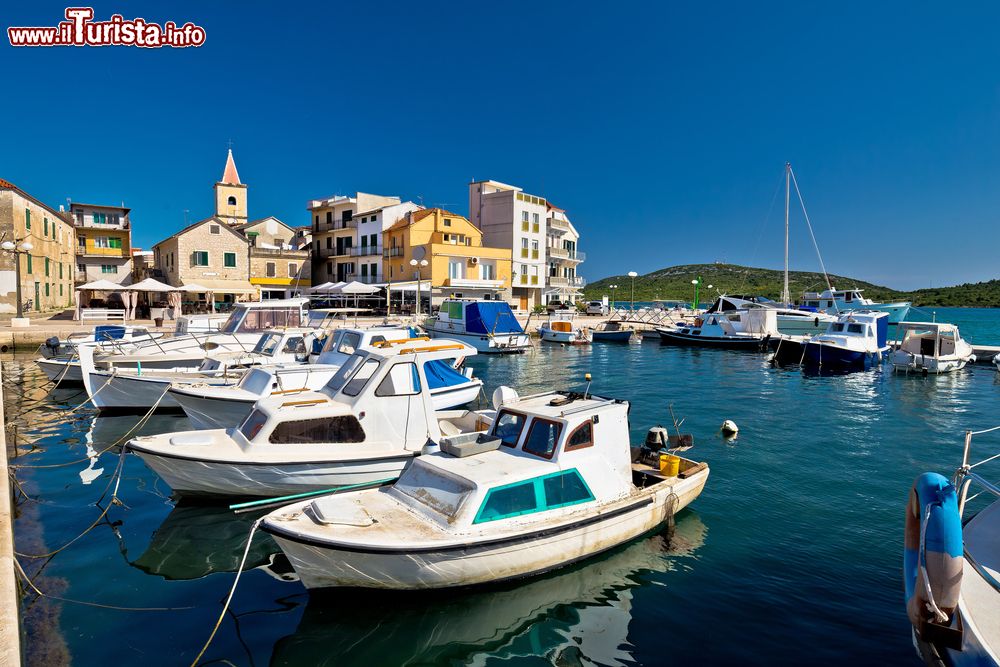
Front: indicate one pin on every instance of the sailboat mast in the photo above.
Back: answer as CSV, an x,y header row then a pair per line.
x,y
785,296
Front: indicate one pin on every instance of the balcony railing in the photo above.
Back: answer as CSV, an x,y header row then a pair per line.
x,y
335,225
334,252
392,252
558,252
365,251
560,225
91,251
562,281
279,252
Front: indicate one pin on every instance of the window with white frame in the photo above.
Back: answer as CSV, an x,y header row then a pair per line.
x,y
455,269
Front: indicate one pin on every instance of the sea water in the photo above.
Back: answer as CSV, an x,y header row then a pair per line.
x,y
791,555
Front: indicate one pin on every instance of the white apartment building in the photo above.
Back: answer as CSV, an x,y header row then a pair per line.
x,y
347,235
542,240
563,257
511,218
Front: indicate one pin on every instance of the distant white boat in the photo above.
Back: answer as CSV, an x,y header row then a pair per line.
x,y
735,330
838,301
561,328
930,347
489,326
791,321
104,333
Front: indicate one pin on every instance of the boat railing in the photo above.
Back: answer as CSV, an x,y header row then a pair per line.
x,y
966,475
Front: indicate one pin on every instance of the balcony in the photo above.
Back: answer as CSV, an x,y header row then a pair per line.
x,y
335,225
333,252
392,252
473,283
558,225
365,251
558,252
91,251
562,281
279,252
525,253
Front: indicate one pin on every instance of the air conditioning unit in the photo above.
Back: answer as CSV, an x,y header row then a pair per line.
x,y
473,261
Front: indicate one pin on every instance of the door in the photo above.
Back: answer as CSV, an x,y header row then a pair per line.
x,y
524,303
38,297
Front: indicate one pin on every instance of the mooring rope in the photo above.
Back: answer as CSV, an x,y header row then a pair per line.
x,y
138,425
229,598
31,584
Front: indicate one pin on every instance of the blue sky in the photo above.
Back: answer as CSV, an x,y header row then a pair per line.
x,y
661,127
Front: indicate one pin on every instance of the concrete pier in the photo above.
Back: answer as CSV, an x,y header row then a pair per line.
x,y
10,625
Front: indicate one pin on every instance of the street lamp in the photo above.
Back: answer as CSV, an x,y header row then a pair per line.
x,y
697,283
417,266
632,275
613,288
24,249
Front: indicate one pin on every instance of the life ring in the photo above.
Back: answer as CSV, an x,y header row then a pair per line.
x,y
932,509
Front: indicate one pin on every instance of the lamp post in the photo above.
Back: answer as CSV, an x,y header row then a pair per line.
x,y
613,288
632,275
24,249
417,266
697,283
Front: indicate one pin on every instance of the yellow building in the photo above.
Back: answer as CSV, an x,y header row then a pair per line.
x,y
458,264
104,242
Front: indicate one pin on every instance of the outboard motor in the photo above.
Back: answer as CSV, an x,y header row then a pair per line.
x,y
656,441
53,344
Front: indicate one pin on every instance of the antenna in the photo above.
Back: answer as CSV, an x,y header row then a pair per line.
x,y
186,211
230,144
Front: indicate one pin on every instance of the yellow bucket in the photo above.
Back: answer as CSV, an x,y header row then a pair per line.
x,y
670,465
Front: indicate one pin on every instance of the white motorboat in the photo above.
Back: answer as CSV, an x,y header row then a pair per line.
x,y
213,406
126,333
561,328
553,482
951,565
837,301
733,330
930,347
139,388
187,351
856,341
790,321
488,326
366,425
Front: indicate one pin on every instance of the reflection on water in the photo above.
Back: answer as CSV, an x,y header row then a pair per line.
x,y
197,540
575,616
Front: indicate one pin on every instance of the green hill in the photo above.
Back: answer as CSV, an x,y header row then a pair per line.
x,y
674,283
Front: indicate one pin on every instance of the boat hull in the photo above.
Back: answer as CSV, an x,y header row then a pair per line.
x,y
513,343
138,393
722,343
471,564
234,478
818,355
802,326
611,336
897,311
62,371
563,337
904,362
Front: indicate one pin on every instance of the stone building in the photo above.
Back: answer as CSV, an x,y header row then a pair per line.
x,y
103,242
47,268
280,258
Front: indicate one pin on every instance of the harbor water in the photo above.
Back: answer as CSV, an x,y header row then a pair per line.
x,y
792,555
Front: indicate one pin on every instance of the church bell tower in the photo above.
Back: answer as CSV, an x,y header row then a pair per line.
x,y
231,195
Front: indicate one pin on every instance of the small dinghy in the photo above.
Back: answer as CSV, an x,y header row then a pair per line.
x,y
365,426
930,347
552,482
738,330
951,566
105,333
560,328
856,341
611,332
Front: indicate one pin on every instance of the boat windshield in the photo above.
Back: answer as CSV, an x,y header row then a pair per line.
x,y
252,424
267,344
439,493
338,381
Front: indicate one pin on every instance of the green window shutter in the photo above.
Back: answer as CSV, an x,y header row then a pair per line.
x,y
46,267
27,218
29,264
115,243
45,226
230,259
46,289
60,277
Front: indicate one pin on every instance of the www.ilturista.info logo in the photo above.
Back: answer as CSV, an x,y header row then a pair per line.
x,y
79,29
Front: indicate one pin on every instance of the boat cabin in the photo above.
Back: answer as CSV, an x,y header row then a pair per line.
x,y
928,339
342,343
869,324
756,321
545,454
835,299
475,316
263,315
380,397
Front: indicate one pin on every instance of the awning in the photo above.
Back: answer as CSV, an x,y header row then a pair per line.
x,y
221,287
355,287
152,285
102,286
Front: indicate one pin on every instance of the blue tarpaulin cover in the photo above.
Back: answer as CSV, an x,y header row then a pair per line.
x,y
483,317
108,332
440,373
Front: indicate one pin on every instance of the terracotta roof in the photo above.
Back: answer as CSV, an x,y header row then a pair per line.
x,y
7,185
553,207
230,175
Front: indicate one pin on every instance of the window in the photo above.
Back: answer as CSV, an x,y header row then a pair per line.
x,y
851,328
329,268
565,488
447,222
293,269
508,427
27,218
837,327
582,436
45,226
29,263
270,270
252,424
215,229
524,216
361,378
81,268
364,270
401,380
438,492
455,269
229,260
267,344
115,243
46,289
199,258
374,271
344,428
82,241
79,217
46,267
339,379
60,272
101,242
232,202
508,501
543,435
108,268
